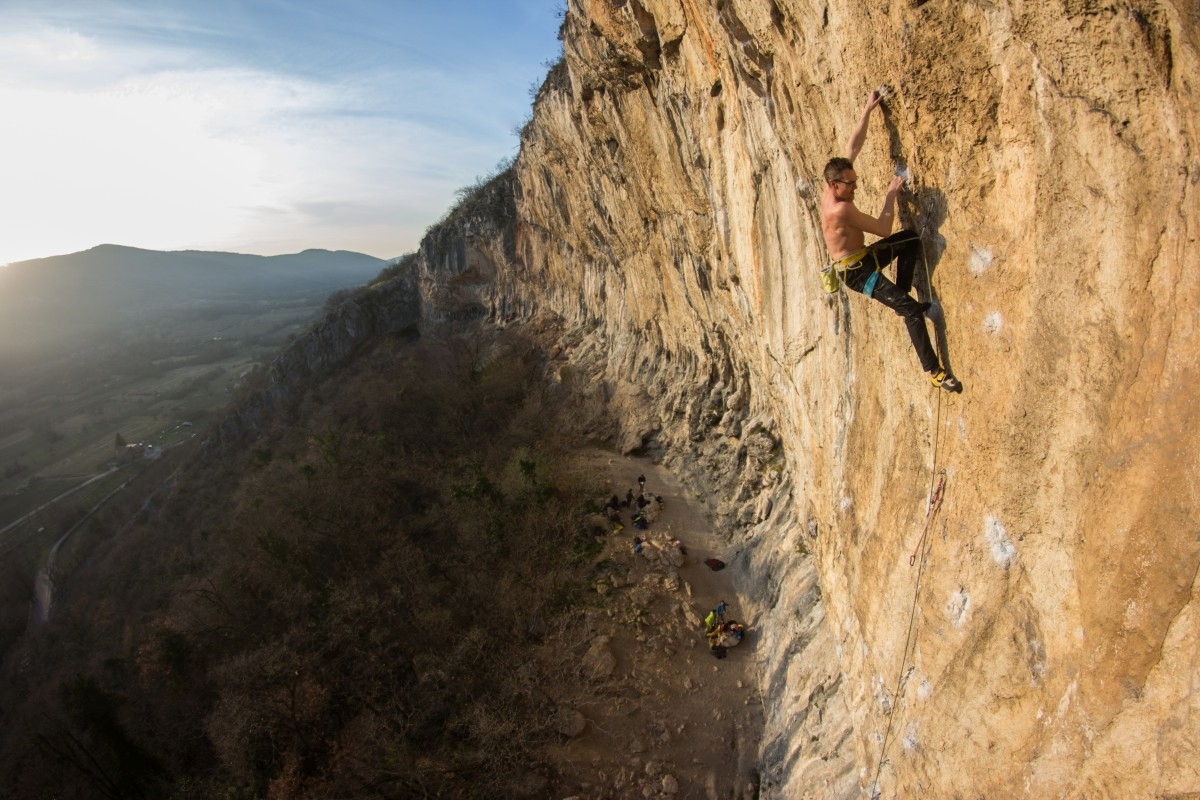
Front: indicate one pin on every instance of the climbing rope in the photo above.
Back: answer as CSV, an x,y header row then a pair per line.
x,y
935,502
937,420
937,486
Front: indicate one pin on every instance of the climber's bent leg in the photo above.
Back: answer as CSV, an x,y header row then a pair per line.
x,y
913,313
905,247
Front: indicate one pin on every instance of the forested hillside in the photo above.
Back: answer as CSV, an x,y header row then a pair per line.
x,y
350,605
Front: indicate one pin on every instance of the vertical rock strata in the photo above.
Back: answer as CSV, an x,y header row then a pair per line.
x,y
1046,641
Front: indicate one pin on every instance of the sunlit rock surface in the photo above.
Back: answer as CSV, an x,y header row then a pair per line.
x,y
1045,641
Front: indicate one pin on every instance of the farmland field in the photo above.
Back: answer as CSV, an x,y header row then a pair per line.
x,y
160,382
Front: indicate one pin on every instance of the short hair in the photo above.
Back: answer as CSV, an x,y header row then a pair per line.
x,y
836,167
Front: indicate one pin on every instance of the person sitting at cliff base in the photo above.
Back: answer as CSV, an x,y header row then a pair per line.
x,y
845,227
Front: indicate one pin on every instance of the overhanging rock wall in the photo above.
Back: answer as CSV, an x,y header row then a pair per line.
x,y
666,210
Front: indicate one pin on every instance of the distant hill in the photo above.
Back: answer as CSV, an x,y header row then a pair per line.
x,y
55,300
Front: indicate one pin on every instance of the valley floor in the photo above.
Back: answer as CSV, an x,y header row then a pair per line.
x,y
654,712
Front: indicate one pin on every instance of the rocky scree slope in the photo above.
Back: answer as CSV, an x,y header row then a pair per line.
x,y
664,208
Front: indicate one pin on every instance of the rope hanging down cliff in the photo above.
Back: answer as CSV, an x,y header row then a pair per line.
x,y
935,502
936,492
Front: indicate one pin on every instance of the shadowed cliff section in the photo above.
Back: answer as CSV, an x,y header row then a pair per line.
x,y
461,254
390,306
1044,639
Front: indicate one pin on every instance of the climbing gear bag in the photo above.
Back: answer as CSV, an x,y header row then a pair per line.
x,y
829,280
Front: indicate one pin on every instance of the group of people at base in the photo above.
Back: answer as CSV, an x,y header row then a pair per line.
x,y
645,507
721,633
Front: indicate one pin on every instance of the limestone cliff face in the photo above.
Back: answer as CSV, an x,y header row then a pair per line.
x,y
1046,641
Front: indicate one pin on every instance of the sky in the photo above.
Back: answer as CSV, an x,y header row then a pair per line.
x,y
256,126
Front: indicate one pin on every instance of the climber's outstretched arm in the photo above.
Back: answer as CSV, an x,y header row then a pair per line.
x,y
860,131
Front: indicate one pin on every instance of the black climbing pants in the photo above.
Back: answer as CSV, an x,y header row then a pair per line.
x,y
905,247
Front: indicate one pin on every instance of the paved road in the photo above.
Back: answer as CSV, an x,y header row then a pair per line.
x,y
49,503
43,587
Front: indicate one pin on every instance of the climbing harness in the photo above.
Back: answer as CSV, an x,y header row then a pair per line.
x,y
833,276
829,276
851,261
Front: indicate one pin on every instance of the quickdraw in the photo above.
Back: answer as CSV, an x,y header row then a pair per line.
x,y
935,502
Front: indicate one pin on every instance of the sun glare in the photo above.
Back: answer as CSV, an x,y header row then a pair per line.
x,y
139,165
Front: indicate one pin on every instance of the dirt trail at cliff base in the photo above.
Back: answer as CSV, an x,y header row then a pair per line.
x,y
664,717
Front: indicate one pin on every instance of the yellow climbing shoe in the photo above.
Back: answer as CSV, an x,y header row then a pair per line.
x,y
944,380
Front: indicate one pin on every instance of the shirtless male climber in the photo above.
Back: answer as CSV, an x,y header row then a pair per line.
x,y
861,266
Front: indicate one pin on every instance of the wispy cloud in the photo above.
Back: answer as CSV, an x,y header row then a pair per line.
x,y
166,132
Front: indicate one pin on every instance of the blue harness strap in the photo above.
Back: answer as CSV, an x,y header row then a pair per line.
x,y
869,287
